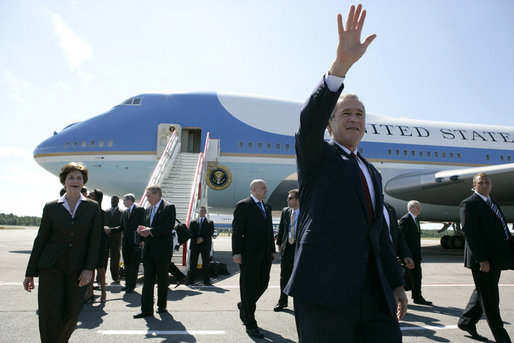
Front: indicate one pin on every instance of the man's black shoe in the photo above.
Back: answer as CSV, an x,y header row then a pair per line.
x,y
255,332
421,301
124,288
161,310
279,307
142,315
179,282
473,333
208,283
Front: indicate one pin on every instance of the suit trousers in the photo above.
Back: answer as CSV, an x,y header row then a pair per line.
x,y
369,321
177,273
196,250
131,259
155,269
253,281
60,301
485,299
112,250
286,268
416,280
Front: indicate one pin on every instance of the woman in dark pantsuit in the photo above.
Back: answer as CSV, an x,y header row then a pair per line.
x,y
64,255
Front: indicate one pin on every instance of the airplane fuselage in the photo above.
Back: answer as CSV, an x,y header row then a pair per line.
x,y
256,138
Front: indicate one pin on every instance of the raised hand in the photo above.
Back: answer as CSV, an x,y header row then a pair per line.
x,y
350,49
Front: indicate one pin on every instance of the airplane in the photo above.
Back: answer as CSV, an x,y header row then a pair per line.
x,y
430,161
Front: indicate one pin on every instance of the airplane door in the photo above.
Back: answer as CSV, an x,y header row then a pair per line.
x,y
191,139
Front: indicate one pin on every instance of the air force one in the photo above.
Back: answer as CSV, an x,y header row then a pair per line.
x,y
253,137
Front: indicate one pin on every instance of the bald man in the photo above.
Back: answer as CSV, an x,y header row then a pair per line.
x,y
253,249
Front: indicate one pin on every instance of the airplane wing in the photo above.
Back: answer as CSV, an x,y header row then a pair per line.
x,y
450,187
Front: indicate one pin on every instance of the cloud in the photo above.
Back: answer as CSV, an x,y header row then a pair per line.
x,y
76,50
16,86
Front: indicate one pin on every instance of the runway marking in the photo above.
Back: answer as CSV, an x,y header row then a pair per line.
x,y
428,327
161,332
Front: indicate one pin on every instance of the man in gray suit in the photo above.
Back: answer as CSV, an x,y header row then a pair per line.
x,y
286,240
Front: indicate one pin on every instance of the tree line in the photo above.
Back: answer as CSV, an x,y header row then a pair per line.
x,y
11,219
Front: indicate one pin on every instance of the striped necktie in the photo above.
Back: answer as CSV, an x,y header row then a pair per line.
x,y
496,211
261,207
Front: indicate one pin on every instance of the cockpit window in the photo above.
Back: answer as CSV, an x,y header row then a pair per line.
x,y
132,101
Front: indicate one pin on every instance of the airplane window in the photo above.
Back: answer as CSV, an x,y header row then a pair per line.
x,y
428,153
397,152
268,146
413,153
278,146
100,143
488,157
451,154
109,143
389,152
405,153
67,145
92,143
75,144
509,158
502,158
241,145
436,154
444,155
421,154
286,146
83,144
458,155
250,145
259,145
136,101
127,102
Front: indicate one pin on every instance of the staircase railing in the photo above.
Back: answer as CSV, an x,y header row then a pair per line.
x,y
197,190
162,167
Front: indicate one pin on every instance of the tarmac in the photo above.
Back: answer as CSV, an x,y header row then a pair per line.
x,y
209,313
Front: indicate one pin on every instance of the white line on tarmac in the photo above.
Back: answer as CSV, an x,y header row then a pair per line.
x,y
428,327
161,332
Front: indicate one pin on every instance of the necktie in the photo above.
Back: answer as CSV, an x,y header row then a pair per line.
x,y
152,214
128,213
292,227
369,203
496,211
261,207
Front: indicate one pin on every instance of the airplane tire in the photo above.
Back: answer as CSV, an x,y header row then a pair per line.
x,y
457,242
445,241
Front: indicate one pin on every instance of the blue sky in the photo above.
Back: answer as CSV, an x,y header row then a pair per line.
x,y
65,61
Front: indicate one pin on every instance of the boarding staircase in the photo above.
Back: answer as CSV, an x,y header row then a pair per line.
x,y
178,184
181,176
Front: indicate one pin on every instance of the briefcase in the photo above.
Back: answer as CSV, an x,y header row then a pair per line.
x,y
183,233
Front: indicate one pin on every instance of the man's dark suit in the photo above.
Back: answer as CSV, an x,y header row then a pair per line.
x,y
130,243
157,253
485,241
205,231
412,237
252,238
112,248
286,253
341,259
63,248
399,245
